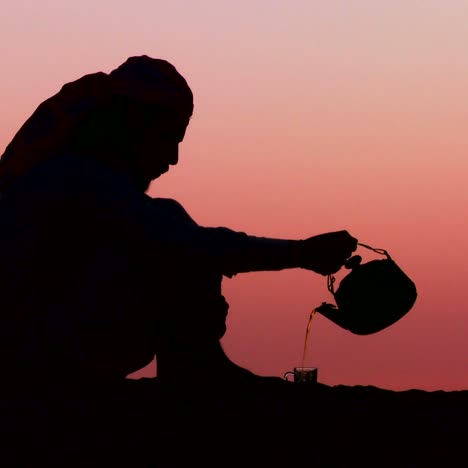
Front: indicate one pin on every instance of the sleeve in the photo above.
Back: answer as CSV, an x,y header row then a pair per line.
x,y
165,223
239,252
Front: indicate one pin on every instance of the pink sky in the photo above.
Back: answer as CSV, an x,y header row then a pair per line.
x,y
309,117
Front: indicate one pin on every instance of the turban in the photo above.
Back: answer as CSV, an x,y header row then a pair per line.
x,y
141,79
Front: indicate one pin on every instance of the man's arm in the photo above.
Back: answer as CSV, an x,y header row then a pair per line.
x,y
229,251
164,226
232,252
238,252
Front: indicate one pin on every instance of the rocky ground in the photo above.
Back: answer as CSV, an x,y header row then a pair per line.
x,y
255,426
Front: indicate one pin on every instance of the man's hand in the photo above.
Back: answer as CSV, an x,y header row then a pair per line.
x,y
326,253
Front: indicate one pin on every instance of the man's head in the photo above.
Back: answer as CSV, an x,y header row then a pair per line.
x,y
145,117
133,119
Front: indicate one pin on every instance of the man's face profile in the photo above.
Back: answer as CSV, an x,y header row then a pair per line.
x,y
155,141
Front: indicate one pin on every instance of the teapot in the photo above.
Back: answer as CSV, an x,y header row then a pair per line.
x,y
373,296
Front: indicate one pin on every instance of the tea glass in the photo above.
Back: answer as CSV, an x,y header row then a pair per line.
x,y
303,375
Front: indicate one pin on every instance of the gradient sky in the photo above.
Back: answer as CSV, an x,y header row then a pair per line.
x,y
310,116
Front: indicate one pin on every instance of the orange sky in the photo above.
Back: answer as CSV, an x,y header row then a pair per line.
x,y
309,117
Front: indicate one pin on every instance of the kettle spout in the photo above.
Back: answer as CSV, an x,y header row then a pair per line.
x,y
331,312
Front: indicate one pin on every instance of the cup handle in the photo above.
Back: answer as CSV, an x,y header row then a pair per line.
x,y
285,376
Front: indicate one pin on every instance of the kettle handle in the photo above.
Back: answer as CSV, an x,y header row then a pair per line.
x,y
379,251
331,278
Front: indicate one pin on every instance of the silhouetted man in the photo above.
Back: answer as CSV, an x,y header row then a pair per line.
x,y
98,277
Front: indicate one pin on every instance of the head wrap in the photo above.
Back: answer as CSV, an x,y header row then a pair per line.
x,y
140,79
152,81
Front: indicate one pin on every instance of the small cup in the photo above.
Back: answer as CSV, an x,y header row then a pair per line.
x,y
303,375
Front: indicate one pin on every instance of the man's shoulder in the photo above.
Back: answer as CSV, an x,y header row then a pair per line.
x,y
166,203
172,208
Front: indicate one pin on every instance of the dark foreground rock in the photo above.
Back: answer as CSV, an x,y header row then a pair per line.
x,y
142,424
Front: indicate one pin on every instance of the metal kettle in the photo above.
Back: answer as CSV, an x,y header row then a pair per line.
x,y
373,296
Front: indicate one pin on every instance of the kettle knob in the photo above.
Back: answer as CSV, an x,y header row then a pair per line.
x,y
353,262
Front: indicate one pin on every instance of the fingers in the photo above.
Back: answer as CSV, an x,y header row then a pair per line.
x,y
347,244
349,240
341,251
327,253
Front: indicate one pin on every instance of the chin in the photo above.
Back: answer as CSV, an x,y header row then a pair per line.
x,y
144,185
